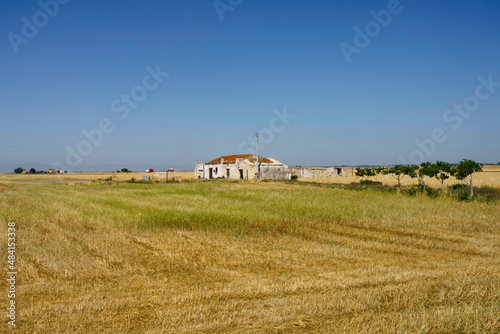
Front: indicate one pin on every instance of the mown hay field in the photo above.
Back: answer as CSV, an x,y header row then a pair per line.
x,y
241,257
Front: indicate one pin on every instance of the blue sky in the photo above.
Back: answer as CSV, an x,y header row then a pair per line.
x,y
227,76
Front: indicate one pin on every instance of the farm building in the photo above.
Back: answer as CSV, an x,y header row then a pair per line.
x,y
242,167
314,172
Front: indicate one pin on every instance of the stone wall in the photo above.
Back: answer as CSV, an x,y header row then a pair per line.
x,y
161,176
274,172
317,172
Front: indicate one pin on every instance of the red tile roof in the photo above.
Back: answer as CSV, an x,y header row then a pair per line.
x,y
231,159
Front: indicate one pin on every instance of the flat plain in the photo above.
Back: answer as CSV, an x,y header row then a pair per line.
x,y
248,257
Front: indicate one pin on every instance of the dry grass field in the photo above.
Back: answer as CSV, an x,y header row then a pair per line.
x,y
247,257
490,177
97,176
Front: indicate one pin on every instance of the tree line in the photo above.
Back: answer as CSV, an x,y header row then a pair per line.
x,y
20,170
439,170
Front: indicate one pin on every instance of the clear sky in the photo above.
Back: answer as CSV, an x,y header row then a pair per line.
x,y
233,65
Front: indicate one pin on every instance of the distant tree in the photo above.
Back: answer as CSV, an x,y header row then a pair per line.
x,y
441,171
400,171
125,170
377,171
370,172
454,173
361,172
32,171
466,168
426,169
18,170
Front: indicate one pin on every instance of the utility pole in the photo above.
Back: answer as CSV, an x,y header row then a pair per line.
x,y
257,146
257,136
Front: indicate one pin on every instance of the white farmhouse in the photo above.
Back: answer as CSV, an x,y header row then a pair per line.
x,y
242,167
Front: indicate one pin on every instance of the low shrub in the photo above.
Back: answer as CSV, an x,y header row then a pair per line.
x,y
464,196
421,189
369,182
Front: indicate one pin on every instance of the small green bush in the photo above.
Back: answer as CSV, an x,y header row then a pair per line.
x,y
464,196
420,189
294,177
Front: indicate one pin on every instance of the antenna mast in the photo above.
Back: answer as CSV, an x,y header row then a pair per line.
x,y
257,146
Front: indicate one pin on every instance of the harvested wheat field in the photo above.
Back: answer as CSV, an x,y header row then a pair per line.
x,y
241,257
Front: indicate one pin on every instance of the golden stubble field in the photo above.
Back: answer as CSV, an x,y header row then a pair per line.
x,y
247,257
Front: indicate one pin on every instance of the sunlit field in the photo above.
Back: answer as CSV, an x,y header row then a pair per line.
x,y
490,177
213,257
98,176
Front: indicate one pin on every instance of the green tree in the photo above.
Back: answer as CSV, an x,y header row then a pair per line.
x,y
466,168
125,170
426,169
18,170
370,172
361,172
441,171
400,171
32,171
377,171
